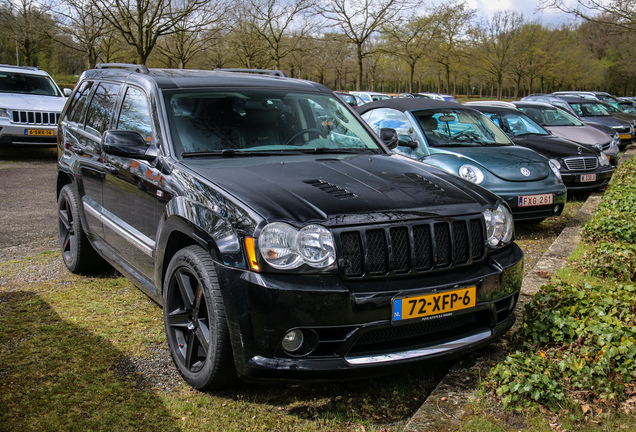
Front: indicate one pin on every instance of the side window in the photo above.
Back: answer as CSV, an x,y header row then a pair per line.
x,y
134,114
79,102
389,118
101,108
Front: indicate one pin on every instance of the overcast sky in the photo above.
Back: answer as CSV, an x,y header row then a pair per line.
x,y
527,7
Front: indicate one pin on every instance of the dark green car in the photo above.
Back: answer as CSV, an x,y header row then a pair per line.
x,y
464,142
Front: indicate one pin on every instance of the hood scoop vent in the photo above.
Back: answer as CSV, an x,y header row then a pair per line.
x,y
416,178
331,189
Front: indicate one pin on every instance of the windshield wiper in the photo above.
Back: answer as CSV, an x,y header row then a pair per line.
x,y
326,150
237,153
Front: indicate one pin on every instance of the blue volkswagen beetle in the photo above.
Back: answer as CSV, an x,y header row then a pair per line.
x,y
464,142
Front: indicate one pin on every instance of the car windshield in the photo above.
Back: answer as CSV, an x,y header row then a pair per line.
x,y
451,127
550,116
627,107
516,124
12,82
589,109
245,122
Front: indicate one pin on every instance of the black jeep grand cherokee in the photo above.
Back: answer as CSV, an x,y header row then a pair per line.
x,y
282,239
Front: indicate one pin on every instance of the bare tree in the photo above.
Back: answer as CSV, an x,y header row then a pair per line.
x,y
142,22
249,49
410,41
620,14
455,27
188,40
28,24
499,35
85,24
359,20
274,21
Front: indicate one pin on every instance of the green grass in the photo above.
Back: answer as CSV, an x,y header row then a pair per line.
x,y
76,353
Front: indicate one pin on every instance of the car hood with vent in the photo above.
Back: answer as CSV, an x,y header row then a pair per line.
x,y
343,189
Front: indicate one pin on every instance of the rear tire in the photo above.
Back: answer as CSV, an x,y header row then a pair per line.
x,y
195,321
77,252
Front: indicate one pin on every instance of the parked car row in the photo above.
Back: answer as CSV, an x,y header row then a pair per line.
x,y
560,150
284,239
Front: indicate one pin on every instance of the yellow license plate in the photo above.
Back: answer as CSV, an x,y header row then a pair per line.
x,y
434,304
628,136
46,132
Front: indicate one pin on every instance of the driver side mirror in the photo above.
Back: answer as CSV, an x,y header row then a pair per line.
x,y
389,137
128,144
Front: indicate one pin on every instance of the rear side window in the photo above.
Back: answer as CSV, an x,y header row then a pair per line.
x,y
134,114
101,108
79,102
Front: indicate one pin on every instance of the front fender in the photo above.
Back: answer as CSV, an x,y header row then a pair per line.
x,y
203,226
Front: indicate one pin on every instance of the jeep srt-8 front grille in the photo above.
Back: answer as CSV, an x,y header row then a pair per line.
x,y
35,118
410,248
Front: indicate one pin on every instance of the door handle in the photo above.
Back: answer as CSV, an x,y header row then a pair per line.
x,y
112,169
78,150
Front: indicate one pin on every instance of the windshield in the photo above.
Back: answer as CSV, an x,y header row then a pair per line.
x,y
11,82
550,116
451,127
206,122
516,124
589,109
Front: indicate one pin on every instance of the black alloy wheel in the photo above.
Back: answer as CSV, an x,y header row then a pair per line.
x,y
77,252
195,322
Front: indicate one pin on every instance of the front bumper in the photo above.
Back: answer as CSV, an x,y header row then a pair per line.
x,y
573,180
349,322
35,135
534,212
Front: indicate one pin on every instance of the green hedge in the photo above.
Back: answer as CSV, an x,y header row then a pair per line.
x,y
577,343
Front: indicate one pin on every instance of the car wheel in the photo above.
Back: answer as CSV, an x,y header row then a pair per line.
x,y
195,322
77,252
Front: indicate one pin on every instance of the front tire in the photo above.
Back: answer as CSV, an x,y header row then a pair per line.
x,y
195,322
77,252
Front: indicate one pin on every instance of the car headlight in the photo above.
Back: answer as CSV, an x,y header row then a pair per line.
x,y
616,140
4,113
499,226
285,247
603,159
472,173
556,167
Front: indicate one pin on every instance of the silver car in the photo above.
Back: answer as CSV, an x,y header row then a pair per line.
x,y
30,106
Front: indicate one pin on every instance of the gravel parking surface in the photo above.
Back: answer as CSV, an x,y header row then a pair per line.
x,y
28,209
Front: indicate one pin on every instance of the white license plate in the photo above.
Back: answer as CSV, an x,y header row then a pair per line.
x,y
588,178
535,200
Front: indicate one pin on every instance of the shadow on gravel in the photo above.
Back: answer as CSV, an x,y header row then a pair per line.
x,y
28,154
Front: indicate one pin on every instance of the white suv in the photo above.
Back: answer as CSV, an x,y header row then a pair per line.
x,y
30,106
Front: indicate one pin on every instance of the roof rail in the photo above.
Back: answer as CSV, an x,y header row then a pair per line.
x,y
491,103
277,73
128,66
20,67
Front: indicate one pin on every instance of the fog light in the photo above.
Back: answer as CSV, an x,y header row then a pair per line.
x,y
293,340
556,209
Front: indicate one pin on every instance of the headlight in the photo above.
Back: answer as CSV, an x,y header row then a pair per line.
x,y
4,113
556,167
472,173
603,159
616,140
285,247
499,226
